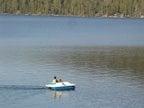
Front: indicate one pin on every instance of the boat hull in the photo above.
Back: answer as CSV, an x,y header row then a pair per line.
x,y
61,86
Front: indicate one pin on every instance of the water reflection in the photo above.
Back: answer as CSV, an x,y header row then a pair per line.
x,y
57,94
115,61
114,58
123,63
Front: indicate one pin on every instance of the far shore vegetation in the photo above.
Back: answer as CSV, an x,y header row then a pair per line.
x,y
85,8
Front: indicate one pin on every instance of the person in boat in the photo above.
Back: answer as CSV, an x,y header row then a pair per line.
x,y
55,80
60,80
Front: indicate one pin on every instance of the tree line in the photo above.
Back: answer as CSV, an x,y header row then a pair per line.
x,y
132,8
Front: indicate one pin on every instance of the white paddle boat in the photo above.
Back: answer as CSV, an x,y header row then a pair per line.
x,y
61,86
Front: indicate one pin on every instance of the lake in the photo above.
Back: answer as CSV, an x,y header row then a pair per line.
x,y
103,57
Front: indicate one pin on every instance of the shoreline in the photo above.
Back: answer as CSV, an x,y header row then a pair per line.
x,y
56,15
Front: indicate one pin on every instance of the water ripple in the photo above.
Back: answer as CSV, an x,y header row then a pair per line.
x,y
22,87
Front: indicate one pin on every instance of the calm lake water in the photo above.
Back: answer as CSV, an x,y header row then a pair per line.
x,y
89,52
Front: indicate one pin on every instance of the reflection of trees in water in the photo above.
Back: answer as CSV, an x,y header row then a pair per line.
x,y
110,57
123,58
115,58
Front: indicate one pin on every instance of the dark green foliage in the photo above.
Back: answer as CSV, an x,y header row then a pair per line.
x,y
134,8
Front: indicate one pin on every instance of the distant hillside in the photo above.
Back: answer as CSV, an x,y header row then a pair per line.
x,y
120,8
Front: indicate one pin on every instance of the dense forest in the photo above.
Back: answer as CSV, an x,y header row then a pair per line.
x,y
120,8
